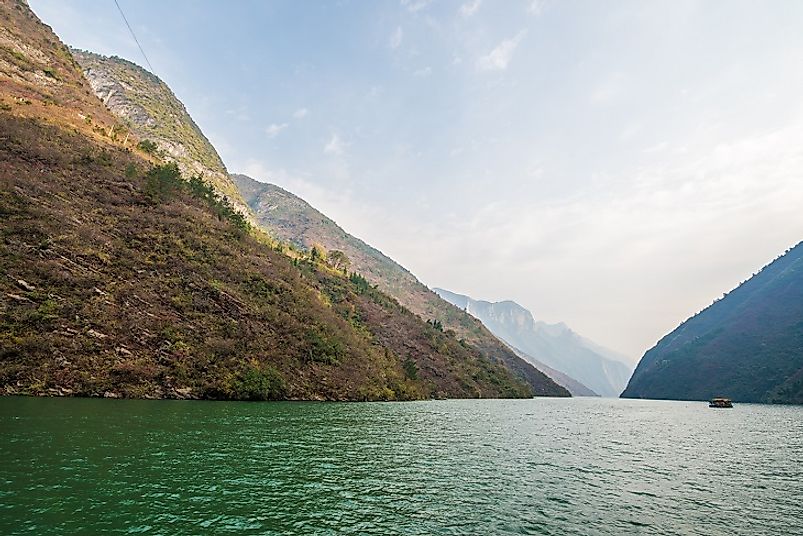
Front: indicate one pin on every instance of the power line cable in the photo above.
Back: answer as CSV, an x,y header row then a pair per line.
x,y
135,37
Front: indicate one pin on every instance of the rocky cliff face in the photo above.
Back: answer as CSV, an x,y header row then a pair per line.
x,y
292,219
154,113
747,346
555,345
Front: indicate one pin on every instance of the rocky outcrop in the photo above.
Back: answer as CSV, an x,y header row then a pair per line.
x,y
154,113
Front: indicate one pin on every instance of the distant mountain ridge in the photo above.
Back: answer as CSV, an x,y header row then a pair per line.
x,y
290,218
603,371
748,345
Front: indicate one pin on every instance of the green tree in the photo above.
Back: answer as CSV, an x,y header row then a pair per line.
x,y
410,369
162,182
260,382
360,283
315,255
435,323
147,146
339,261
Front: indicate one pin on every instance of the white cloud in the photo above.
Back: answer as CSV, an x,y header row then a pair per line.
x,y
535,7
657,148
396,38
425,71
241,113
696,225
301,113
274,129
469,8
499,58
335,146
609,89
415,5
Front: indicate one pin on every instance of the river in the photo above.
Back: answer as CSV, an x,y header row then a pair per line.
x,y
541,466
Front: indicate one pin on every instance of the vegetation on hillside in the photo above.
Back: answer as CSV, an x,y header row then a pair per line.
x,y
291,219
122,279
148,106
40,78
748,345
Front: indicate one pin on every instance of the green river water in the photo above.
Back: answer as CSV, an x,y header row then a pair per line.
x,y
541,466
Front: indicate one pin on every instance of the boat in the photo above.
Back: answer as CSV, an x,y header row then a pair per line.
x,y
720,403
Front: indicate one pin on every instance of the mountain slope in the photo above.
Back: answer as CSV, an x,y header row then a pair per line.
x,y
292,219
747,346
154,113
41,79
119,278
553,344
573,386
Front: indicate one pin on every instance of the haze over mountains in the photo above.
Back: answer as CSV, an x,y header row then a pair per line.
x,y
604,371
502,169
290,218
748,345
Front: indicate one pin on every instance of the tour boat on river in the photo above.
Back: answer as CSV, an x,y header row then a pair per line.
x,y
720,403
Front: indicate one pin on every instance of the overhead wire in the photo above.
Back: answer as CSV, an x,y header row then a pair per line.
x,y
134,36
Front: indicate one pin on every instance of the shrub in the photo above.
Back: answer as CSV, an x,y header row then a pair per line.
x,y
323,349
360,283
338,260
410,369
147,146
437,324
162,182
257,382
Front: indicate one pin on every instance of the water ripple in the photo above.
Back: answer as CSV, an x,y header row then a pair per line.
x,y
581,466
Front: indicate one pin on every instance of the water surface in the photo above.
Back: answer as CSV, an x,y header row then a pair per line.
x,y
542,466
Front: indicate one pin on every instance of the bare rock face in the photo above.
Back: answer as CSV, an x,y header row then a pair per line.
x,y
112,93
154,113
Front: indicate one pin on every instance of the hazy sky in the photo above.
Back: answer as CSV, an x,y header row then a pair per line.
x,y
614,165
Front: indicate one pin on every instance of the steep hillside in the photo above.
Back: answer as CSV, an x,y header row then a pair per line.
x,y
553,344
149,107
120,278
573,386
292,219
114,287
39,77
747,346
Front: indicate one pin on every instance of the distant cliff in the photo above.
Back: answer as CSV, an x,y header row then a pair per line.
x,y
747,346
603,371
